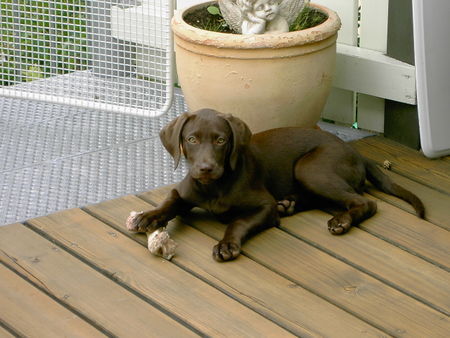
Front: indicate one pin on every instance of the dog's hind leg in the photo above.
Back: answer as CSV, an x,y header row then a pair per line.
x,y
328,185
358,208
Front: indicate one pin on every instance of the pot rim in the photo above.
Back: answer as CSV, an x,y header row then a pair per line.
x,y
311,35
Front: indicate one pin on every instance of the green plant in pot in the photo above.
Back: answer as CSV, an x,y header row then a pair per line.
x,y
269,78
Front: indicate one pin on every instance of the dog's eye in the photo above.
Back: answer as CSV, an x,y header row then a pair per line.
x,y
220,141
192,139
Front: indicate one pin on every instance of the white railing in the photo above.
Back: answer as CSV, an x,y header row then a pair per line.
x,y
365,76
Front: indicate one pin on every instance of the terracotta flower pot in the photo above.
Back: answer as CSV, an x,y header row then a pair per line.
x,y
269,80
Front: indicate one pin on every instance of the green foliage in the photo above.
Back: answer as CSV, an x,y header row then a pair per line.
x,y
214,10
41,38
33,73
308,17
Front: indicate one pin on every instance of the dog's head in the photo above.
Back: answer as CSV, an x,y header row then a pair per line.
x,y
209,140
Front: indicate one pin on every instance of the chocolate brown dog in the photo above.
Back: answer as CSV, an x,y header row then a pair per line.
x,y
253,180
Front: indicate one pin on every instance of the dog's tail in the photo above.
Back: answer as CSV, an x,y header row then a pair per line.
x,y
385,184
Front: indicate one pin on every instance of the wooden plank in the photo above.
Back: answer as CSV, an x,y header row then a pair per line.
x,y
34,314
259,288
339,283
374,25
6,334
406,272
436,203
410,232
348,13
341,105
107,304
370,113
373,36
407,162
373,73
194,301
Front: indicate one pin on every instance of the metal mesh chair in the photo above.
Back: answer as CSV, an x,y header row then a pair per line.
x,y
84,86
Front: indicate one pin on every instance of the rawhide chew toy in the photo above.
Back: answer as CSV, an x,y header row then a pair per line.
x,y
160,243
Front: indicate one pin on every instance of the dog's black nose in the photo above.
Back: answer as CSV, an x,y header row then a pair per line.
x,y
206,168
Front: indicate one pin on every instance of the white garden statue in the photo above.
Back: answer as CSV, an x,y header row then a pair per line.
x,y
260,16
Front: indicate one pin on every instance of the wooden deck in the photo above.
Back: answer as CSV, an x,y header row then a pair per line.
x,y
80,273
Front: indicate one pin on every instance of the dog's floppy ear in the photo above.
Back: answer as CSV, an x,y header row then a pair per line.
x,y
171,136
241,137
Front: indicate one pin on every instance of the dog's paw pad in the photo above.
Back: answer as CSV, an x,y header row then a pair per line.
x,y
226,251
337,226
286,207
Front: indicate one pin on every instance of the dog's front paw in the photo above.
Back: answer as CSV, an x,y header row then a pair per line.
x,y
339,225
145,221
226,251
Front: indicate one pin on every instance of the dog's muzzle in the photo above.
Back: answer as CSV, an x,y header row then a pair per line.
x,y
206,173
